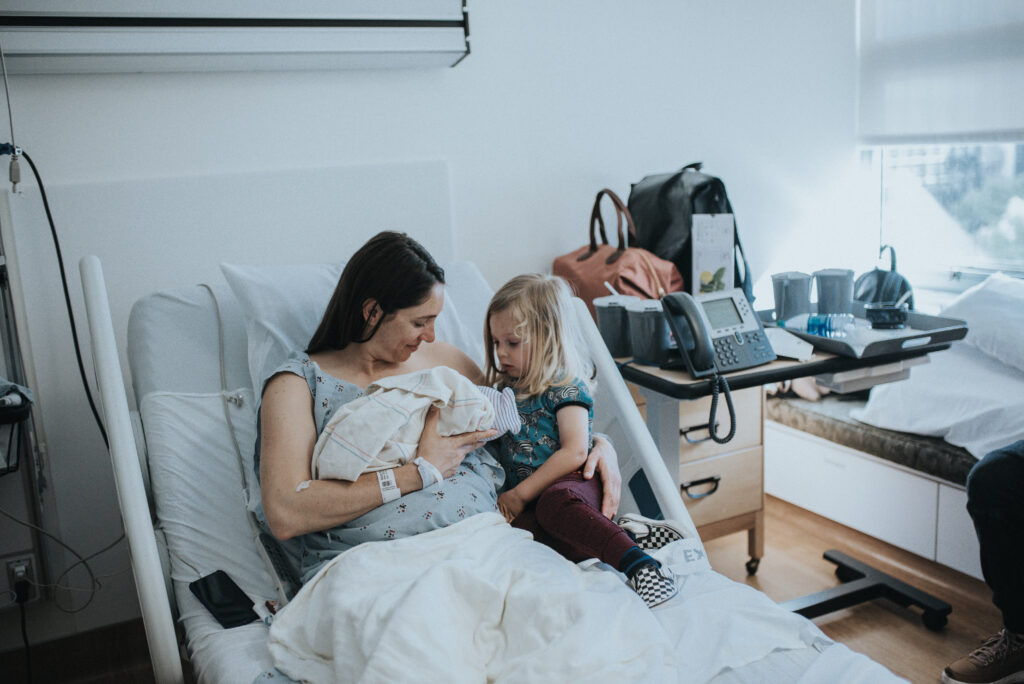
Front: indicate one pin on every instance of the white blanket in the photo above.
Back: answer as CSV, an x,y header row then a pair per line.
x,y
382,428
480,601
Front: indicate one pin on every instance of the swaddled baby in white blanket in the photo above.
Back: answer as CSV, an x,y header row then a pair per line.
x,y
382,428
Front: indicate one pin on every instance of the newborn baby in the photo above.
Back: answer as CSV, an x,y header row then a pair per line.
x,y
382,428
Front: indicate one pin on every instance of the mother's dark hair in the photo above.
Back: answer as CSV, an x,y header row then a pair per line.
x,y
392,269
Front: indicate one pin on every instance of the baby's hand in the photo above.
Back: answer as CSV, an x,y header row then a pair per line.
x,y
510,504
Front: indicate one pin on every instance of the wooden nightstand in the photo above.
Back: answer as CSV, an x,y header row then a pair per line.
x,y
722,485
673,401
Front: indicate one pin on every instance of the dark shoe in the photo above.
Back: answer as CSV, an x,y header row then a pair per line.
x,y
1000,660
649,534
653,585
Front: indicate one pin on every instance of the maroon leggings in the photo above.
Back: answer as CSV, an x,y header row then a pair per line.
x,y
567,517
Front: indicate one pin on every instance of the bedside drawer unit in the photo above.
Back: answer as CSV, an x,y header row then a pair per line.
x,y
695,442
725,486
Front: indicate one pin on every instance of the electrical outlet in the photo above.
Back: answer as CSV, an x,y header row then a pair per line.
x,y
22,567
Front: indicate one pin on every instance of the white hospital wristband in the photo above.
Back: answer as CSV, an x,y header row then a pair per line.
x,y
389,490
428,471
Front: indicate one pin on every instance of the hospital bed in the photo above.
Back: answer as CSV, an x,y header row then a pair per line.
x,y
182,457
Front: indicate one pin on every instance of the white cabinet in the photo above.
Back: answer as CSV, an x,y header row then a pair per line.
x,y
898,505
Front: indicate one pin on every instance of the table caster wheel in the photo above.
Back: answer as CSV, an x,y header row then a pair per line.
x,y
933,621
752,566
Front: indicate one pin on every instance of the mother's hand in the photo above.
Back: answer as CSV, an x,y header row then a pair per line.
x,y
605,461
447,453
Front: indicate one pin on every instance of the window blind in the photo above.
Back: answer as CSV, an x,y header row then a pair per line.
x,y
933,70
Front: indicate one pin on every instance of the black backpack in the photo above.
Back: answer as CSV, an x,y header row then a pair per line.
x,y
663,206
883,287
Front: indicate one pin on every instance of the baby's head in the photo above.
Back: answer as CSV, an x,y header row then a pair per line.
x,y
531,335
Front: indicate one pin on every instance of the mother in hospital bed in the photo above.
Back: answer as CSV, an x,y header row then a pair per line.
x,y
379,323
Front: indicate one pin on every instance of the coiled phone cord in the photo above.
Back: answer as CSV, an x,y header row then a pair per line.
x,y
720,384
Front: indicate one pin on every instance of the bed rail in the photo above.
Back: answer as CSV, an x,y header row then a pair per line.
x,y
611,381
146,568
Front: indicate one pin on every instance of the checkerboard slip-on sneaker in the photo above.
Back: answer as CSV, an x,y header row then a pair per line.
x,y
649,534
1000,660
653,584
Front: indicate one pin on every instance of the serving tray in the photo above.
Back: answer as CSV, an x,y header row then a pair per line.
x,y
922,332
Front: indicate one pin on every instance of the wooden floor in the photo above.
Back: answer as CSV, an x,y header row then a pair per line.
x,y
792,566
894,636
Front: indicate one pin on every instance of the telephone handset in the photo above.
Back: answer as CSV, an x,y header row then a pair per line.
x,y
680,308
716,332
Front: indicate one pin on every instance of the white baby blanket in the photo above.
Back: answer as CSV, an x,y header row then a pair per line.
x,y
382,429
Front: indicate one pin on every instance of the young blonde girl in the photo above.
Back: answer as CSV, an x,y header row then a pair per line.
x,y
535,349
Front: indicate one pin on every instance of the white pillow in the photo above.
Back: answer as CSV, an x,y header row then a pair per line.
x,y
283,305
994,311
962,395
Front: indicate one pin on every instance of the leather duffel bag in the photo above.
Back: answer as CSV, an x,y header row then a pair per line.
x,y
629,270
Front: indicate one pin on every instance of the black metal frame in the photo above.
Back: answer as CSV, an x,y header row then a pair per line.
x,y
860,583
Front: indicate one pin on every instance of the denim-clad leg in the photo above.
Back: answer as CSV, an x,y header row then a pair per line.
x,y
995,501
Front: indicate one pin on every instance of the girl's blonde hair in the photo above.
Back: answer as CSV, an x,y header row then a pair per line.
x,y
545,319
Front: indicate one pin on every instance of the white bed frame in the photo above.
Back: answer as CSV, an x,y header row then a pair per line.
x,y
149,560
151,578
746,636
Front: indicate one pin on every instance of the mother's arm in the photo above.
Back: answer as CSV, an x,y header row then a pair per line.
x,y
602,458
293,502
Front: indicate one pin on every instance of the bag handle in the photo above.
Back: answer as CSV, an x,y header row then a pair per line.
x,y
622,213
892,255
597,220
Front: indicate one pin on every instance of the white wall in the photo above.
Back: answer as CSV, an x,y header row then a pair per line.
x,y
556,101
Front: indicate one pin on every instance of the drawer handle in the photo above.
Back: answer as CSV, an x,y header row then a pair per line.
x,y
706,426
714,479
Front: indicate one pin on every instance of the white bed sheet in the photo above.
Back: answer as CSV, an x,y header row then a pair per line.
x,y
973,394
962,395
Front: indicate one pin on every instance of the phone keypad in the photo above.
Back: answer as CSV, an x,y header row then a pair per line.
x,y
741,350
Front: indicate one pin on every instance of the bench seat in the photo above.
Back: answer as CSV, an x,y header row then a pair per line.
x,y
829,418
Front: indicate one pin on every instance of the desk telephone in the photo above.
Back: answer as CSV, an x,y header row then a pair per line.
x,y
716,332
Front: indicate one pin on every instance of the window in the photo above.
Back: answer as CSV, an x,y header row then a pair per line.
x,y
954,212
940,102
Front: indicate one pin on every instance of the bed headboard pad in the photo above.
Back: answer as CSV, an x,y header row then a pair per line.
x,y
172,341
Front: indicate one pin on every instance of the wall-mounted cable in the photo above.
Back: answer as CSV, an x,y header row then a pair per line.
x,y
67,297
